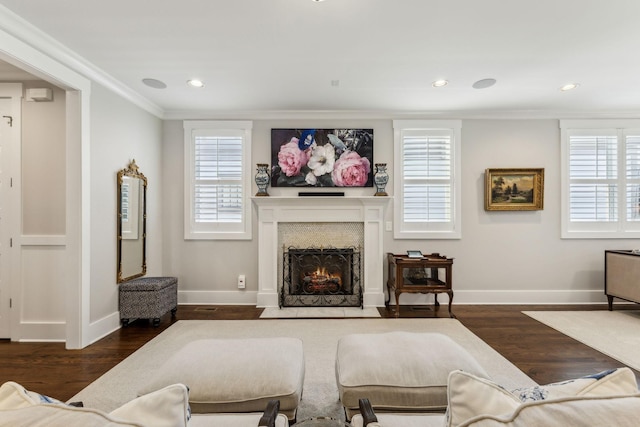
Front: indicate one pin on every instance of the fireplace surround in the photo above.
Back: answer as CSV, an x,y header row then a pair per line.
x,y
274,211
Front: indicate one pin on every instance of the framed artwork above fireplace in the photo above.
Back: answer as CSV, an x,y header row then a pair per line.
x,y
322,157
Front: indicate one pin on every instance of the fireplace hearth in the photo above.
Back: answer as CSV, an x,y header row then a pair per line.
x,y
321,277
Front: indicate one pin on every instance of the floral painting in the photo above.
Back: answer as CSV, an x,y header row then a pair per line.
x,y
321,157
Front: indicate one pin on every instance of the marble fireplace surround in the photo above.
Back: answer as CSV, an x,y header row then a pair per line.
x,y
368,210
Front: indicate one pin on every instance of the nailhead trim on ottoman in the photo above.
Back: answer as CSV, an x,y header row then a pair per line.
x,y
399,371
148,298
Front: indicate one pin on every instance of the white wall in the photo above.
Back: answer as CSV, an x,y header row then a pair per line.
x,y
503,257
120,132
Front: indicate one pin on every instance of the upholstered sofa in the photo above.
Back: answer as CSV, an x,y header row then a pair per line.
x,y
168,407
609,398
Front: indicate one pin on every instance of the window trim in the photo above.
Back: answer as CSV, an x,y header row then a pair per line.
x,y
619,229
454,231
193,231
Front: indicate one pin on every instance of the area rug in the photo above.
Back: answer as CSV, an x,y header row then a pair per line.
x,y
318,312
320,338
614,333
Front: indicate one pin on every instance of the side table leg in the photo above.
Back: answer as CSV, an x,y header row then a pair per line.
x,y
397,303
450,293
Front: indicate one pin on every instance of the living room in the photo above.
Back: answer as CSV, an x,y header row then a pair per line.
x,y
120,126
62,276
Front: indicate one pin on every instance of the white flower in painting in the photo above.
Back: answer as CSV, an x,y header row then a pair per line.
x,y
311,179
322,159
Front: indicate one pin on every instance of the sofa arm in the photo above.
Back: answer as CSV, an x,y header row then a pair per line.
x,y
366,410
268,419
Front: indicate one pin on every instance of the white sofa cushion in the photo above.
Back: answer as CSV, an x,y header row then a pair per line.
x,y
401,420
233,420
19,407
578,411
54,415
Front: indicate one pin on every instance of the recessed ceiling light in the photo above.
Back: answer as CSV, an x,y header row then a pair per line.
x,y
484,83
569,86
195,83
156,84
317,1
439,83
335,83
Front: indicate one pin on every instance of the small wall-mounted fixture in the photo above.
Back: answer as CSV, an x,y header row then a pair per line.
x,y
39,95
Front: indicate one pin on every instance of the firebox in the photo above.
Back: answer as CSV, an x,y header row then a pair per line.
x,y
321,277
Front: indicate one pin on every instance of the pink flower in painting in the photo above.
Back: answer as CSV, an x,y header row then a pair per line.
x,y
291,158
351,170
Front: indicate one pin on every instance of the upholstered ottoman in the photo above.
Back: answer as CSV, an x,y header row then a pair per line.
x,y
148,298
236,375
399,371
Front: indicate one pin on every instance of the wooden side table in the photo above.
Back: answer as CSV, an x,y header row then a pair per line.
x,y
419,275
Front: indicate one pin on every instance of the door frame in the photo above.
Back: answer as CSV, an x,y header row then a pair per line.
x,y
18,44
13,205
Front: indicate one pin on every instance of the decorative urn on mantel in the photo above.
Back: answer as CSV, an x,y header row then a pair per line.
x,y
262,179
380,179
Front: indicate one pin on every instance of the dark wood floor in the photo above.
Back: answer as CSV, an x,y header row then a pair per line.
x,y
541,352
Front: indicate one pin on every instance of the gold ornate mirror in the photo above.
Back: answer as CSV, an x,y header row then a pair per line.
x,y
132,223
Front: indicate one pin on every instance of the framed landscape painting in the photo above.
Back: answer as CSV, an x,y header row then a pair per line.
x,y
514,189
322,157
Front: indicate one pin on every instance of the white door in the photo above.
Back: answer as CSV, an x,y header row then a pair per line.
x,y
5,185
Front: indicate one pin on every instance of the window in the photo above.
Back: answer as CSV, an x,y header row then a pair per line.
x,y
217,179
427,184
600,179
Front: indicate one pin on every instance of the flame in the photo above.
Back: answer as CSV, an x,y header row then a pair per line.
x,y
321,274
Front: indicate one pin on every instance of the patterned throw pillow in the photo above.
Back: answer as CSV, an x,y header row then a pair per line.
x,y
14,396
471,396
167,407
619,381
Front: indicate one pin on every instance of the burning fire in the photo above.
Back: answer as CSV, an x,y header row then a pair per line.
x,y
321,275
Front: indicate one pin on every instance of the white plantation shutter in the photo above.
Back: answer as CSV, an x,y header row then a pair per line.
x,y
426,191
632,160
601,179
593,174
218,195
217,180
427,177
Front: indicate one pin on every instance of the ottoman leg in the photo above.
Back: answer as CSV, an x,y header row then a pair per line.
x,y
125,322
156,322
174,311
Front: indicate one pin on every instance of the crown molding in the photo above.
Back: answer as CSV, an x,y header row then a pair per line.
x,y
391,115
31,35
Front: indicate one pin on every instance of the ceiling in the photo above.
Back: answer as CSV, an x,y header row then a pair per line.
x,y
361,55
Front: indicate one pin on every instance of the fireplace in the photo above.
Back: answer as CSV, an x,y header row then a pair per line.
x,y
322,216
327,277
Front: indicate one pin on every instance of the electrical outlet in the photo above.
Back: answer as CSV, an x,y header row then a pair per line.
x,y
241,282
389,226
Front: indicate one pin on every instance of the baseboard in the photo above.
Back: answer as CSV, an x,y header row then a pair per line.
x,y
103,327
485,297
374,300
42,332
217,297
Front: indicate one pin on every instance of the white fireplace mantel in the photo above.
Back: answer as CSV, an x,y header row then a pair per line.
x,y
368,210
